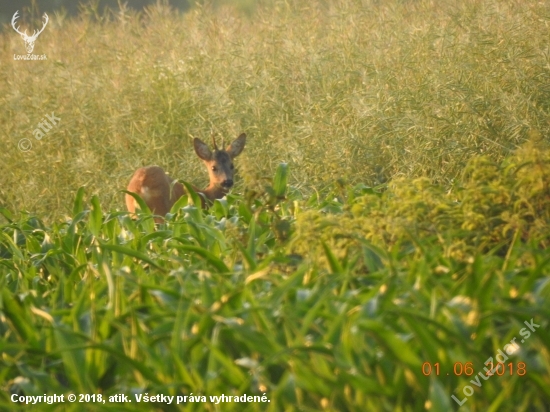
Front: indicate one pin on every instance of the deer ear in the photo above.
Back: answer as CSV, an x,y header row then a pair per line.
x,y
202,150
235,148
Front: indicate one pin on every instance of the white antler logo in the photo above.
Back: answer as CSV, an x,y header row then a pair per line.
x,y
29,40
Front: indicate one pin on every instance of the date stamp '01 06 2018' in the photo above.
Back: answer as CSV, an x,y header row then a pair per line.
x,y
498,368
459,369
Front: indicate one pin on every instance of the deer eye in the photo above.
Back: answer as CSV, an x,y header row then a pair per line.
x,y
214,168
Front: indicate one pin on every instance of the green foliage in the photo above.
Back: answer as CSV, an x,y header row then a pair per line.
x,y
488,208
407,220
340,313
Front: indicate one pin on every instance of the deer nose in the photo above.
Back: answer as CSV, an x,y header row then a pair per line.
x,y
227,183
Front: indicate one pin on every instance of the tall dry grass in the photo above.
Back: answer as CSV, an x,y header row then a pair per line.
x,y
364,91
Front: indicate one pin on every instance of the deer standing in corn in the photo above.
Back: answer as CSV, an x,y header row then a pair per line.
x,y
159,191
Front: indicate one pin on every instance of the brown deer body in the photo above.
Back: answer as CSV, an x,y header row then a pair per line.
x,y
160,192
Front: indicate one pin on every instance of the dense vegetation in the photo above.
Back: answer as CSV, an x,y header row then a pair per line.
x,y
409,221
354,90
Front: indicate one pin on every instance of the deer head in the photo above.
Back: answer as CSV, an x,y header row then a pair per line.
x,y
219,163
29,40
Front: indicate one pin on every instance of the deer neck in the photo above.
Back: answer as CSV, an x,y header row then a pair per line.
x,y
213,192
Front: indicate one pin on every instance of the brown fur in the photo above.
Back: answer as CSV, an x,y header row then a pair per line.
x,y
160,191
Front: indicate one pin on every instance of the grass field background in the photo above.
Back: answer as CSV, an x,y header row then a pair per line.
x,y
392,209
363,91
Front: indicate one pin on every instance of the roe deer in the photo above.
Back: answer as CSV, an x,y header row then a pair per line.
x,y
160,192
